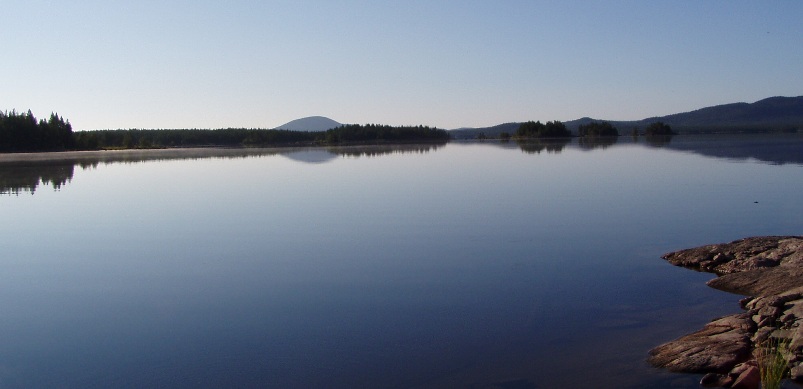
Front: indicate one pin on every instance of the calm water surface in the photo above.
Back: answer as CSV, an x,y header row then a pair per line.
x,y
470,265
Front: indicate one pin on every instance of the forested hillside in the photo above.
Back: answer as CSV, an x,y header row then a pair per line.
x,y
774,114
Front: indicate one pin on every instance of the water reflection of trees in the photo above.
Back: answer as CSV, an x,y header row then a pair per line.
x,y
25,173
658,140
596,142
536,146
380,150
26,179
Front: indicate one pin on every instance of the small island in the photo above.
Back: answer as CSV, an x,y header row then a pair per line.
x,y
597,129
658,129
552,129
769,270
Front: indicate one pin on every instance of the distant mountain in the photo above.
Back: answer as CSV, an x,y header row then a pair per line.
x,y
312,123
771,114
776,114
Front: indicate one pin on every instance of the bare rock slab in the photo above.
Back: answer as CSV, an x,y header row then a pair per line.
x,y
741,255
769,269
760,282
717,348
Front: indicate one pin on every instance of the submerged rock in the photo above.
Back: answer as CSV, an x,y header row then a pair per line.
x,y
770,270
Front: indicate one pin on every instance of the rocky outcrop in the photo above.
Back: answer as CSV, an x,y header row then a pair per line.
x,y
770,270
741,255
718,347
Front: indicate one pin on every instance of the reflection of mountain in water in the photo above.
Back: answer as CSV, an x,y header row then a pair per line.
x,y
770,148
311,155
24,173
776,149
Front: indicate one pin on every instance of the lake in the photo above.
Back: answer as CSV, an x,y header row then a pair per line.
x,y
476,265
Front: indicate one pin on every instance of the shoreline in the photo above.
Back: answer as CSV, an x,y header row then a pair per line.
x,y
191,152
769,271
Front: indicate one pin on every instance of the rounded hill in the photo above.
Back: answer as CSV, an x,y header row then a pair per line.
x,y
311,123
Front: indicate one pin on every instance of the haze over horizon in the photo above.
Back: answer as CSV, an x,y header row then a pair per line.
x,y
114,64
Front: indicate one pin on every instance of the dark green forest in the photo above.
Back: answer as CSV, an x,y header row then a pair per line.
x,y
23,133
658,128
554,129
350,133
595,129
146,139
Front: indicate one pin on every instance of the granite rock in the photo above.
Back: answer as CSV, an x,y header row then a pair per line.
x,y
769,270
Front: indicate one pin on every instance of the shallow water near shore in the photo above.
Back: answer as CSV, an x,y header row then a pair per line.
x,y
470,265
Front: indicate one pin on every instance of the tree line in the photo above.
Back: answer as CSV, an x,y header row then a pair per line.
x,y
658,129
23,133
553,129
597,129
145,139
377,132
557,129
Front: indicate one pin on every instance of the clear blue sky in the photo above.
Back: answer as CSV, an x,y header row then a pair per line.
x,y
211,64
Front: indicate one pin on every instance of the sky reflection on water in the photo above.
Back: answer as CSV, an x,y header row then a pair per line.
x,y
460,265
